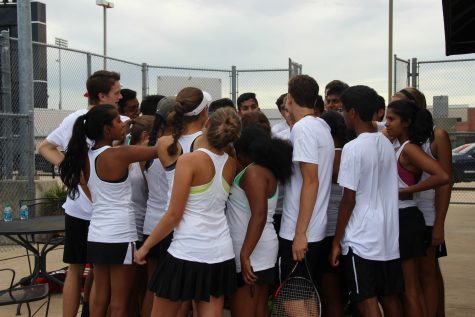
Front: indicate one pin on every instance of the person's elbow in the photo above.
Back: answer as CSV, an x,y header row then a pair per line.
x,y
444,178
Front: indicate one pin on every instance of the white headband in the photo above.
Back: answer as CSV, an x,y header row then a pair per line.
x,y
201,106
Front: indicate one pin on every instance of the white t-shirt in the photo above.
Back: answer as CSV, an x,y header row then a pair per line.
x,y
283,134
281,125
81,207
368,167
312,143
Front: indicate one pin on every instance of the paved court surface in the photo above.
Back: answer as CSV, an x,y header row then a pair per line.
x,y
458,268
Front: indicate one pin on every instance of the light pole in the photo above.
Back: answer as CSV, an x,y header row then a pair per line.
x,y
60,43
390,51
105,5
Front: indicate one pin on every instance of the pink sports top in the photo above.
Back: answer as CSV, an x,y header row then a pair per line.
x,y
406,178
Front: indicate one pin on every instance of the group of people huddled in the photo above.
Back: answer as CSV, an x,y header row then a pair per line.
x,y
181,203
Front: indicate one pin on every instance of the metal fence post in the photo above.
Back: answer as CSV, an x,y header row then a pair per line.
x,y
89,63
6,145
234,84
25,70
394,76
414,73
144,80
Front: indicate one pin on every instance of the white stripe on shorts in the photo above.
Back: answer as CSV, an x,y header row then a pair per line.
x,y
356,276
129,256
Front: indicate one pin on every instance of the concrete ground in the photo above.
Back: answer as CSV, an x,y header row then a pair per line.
x,y
456,268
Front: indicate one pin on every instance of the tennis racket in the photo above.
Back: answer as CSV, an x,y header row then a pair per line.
x,y
297,296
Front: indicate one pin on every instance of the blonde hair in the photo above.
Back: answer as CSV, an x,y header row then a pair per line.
x,y
412,94
224,127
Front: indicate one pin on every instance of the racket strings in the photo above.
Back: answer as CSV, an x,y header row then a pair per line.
x,y
297,297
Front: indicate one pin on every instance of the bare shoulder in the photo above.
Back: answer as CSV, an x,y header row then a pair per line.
x,y
164,142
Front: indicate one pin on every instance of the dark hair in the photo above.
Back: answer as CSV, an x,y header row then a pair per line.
x,y
361,98
274,154
410,93
90,125
149,103
127,94
224,127
335,87
381,103
187,100
256,118
220,103
246,96
138,125
421,125
337,125
304,90
280,101
319,104
100,82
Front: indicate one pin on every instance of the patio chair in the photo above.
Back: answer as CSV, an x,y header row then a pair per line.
x,y
18,295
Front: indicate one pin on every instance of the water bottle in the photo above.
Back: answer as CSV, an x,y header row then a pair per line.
x,y
24,213
7,213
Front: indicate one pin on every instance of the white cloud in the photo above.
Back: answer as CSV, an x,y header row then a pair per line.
x,y
333,39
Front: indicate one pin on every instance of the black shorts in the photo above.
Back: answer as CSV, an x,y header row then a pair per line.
x,y
264,277
368,278
160,249
313,256
110,253
75,240
441,249
412,233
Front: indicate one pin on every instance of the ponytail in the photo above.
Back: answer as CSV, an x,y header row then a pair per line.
x,y
422,127
176,121
421,124
91,125
187,100
75,158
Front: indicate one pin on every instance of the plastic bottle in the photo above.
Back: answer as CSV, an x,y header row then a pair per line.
x,y
24,212
7,213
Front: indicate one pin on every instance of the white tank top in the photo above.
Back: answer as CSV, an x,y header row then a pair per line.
x,y
139,196
401,183
157,195
186,143
426,199
203,234
238,214
113,220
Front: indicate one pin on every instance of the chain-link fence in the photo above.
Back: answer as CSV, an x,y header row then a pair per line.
x,y
401,73
448,86
59,77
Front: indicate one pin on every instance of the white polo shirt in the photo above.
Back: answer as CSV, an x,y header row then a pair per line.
x,y
312,143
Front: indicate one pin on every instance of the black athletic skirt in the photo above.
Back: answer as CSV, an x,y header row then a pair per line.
x,y
177,279
412,233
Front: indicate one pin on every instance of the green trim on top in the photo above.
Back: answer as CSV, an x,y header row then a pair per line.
x,y
194,190
237,179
